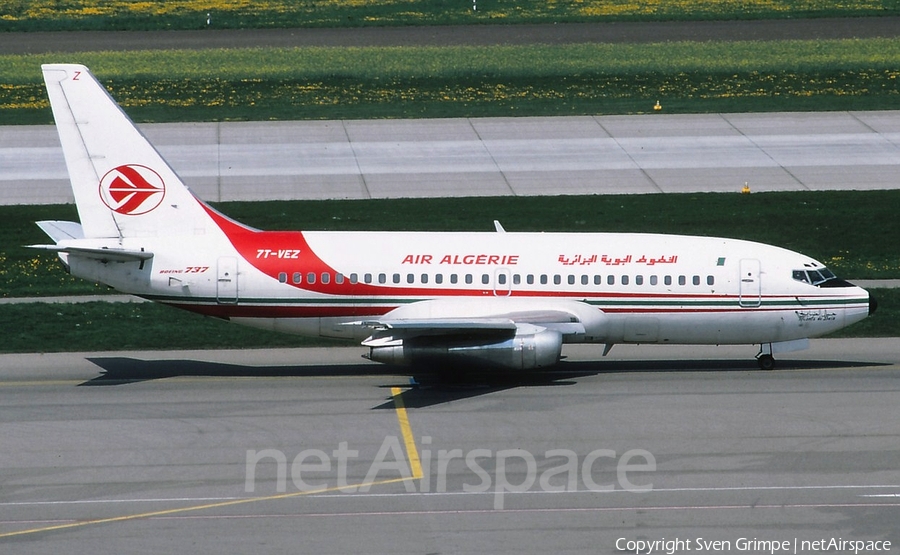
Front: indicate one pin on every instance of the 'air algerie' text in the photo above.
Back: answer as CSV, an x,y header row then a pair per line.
x,y
465,259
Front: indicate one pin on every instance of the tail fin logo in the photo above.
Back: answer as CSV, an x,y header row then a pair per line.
x,y
132,189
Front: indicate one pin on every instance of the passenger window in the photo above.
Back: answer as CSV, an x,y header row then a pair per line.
x,y
682,280
339,278
584,279
543,279
517,279
624,280
382,278
610,279
529,279
310,278
469,278
696,280
396,278
710,280
282,277
454,278
597,280
424,278
326,277
667,280
439,278
367,278
571,279
639,280
410,278
654,280
485,279
557,279
501,279
297,278
354,279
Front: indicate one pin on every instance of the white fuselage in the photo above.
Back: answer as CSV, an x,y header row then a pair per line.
x,y
644,288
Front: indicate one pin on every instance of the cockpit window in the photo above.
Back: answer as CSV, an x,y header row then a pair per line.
x,y
818,277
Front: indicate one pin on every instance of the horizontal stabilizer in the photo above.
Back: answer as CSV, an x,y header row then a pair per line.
x,y
102,254
59,231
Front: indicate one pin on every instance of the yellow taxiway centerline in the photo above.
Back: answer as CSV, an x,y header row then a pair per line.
x,y
412,453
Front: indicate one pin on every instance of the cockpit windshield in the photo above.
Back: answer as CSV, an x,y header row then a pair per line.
x,y
820,277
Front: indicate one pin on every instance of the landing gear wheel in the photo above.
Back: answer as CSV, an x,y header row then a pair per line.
x,y
766,362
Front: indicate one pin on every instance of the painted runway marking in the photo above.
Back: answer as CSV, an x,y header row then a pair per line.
x,y
330,494
336,494
173,515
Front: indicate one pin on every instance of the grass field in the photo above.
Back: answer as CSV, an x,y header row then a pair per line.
x,y
44,15
90,326
409,82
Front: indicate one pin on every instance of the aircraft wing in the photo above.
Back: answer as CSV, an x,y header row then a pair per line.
x,y
390,330
394,332
507,333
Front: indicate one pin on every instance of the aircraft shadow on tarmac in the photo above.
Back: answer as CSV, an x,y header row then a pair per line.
x,y
427,388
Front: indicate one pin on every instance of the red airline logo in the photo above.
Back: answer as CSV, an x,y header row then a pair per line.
x,y
132,189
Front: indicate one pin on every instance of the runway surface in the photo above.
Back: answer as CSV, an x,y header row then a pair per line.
x,y
167,451
494,156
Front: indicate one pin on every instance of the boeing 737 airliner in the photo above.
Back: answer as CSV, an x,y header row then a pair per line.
x,y
493,299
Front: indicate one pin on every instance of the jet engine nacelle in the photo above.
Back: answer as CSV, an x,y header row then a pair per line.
x,y
524,351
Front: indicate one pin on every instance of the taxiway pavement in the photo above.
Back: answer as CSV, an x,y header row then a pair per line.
x,y
156,451
655,153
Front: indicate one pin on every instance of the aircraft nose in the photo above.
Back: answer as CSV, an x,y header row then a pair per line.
x,y
873,304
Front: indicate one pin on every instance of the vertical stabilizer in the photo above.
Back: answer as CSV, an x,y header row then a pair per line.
x,y
122,186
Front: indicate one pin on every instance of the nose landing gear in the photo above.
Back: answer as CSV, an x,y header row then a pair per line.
x,y
764,358
766,362
766,350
